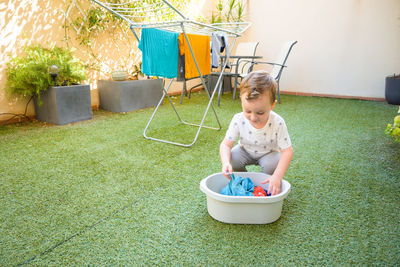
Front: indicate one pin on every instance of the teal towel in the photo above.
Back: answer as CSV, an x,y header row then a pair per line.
x,y
238,187
159,53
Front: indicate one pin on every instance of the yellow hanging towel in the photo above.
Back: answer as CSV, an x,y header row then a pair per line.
x,y
201,50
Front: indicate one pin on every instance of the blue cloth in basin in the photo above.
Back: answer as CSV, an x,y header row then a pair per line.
x,y
238,186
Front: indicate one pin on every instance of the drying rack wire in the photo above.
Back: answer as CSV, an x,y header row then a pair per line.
x,y
160,14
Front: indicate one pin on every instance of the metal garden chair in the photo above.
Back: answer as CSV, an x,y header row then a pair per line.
x,y
245,52
277,65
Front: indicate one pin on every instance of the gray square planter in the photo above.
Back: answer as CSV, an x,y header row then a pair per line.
x,y
65,104
124,96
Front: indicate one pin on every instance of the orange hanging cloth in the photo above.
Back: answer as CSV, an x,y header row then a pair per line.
x,y
201,50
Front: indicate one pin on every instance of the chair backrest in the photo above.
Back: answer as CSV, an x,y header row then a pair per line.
x,y
281,59
245,49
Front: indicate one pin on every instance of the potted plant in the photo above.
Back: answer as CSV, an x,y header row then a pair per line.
x,y
119,75
137,72
392,89
52,77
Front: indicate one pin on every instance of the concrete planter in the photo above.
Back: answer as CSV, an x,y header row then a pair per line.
x,y
127,96
64,104
392,89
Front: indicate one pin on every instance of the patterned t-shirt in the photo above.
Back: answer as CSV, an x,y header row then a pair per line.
x,y
257,142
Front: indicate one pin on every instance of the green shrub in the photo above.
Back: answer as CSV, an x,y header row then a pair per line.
x,y
228,11
28,74
394,129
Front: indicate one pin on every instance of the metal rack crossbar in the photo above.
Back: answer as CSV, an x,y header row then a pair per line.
x,y
160,14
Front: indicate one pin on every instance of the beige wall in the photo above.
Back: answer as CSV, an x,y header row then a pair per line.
x,y
24,22
345,47
31,22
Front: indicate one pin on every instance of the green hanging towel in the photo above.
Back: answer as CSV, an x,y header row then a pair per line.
x,y
159,53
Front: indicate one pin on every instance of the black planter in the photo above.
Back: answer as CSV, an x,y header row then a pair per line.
x,y
392,90
64,104
124,96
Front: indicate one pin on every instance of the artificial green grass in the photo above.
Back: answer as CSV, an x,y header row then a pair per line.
x,y
98,193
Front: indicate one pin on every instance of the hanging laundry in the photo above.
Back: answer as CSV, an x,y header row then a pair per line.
x,y
238,187
159,53
181,67
201,49
219,43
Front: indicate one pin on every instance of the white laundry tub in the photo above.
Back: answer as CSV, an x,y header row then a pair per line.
x,y
242,209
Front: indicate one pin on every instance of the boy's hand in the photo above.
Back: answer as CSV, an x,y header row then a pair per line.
x,y
274,187
227,170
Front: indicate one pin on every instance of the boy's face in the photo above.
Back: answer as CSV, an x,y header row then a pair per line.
x,y
257,110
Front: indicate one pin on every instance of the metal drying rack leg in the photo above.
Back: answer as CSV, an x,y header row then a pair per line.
x,y
201,125
165,94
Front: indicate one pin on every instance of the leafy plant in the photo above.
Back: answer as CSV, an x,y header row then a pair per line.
x,y
28,74
137,70
233,13
394,129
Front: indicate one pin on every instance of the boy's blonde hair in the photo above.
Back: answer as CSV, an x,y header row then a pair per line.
x,y
257,83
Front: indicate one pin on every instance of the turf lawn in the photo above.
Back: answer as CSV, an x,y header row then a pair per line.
x,y
98,193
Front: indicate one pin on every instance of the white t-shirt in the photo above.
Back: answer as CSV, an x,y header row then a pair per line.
x,y
258,142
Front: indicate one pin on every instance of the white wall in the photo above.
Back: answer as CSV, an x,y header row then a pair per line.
x,y
345,47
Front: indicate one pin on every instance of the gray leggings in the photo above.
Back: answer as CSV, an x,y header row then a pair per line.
x,y
240,159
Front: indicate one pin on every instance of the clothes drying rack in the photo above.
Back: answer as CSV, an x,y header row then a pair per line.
x,y
161,14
